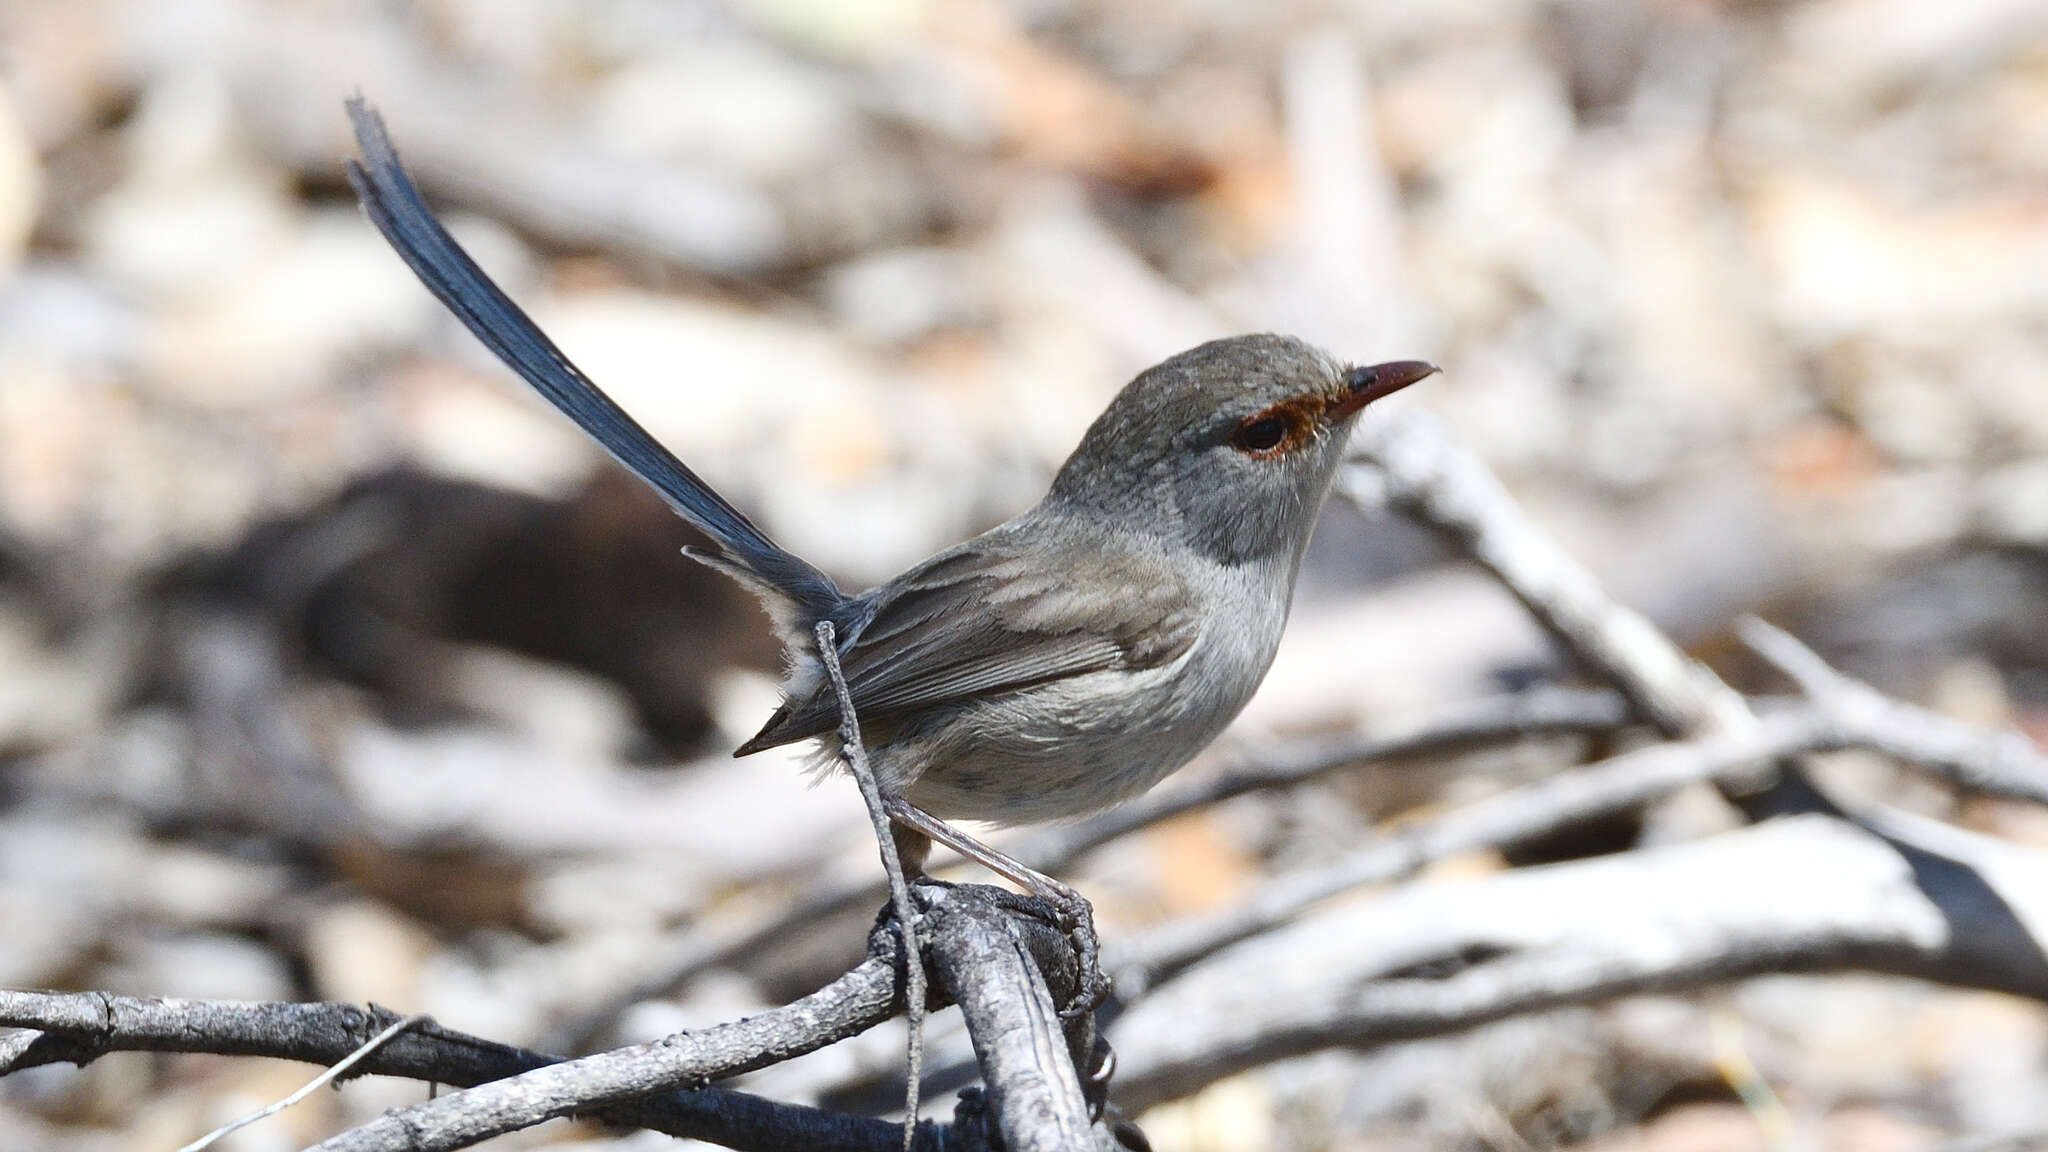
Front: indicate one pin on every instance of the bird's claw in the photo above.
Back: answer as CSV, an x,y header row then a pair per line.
x,y
1096,1088
1076,917
1069,912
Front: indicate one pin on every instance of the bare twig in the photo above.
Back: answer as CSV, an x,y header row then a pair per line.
x,y
852,1004
1418,468
1800,664
78,1027
1026,1059
333,1072
854,753
1980,759
1532,812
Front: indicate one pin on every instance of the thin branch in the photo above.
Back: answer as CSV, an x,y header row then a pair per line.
x,y
1997,763
855,755
1025,1056
327,1076
852,1004
1420,469
79,1027
1800,664
1804,893
1532,812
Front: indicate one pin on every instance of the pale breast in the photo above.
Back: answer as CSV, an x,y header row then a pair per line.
x,y
1086,743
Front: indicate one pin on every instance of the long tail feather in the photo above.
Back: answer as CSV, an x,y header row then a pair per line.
x,y
395,206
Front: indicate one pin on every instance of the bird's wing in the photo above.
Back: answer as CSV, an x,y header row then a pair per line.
x,y
990,617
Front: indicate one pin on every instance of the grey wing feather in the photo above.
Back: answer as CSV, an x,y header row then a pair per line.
x,y
988,618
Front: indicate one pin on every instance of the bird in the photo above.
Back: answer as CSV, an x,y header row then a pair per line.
x,y
1053,666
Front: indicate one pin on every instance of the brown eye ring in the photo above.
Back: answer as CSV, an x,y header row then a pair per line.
x,y
1278,429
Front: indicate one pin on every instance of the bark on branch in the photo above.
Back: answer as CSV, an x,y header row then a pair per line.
x,y
658,1085
80,1027
850,1005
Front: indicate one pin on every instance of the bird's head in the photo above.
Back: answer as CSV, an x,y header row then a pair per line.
x,y
1228,447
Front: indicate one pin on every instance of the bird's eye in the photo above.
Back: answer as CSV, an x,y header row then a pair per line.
x,y
1260,435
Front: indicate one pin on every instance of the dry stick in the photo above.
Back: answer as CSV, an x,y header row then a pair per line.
x,y
855,754
1417,467
1801,893
1986,760
80,1027
1622,783
333,1072
1845,714
1465,727
1421,470
1025,1054
855,1002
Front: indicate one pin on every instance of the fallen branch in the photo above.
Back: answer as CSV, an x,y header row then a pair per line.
x,y
1028,1059
79,1027
1806,893
1532,812
1984,760
850,1005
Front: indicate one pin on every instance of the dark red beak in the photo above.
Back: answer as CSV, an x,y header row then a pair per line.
x,y
1370,384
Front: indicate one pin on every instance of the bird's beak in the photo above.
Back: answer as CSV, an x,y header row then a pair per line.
x,y
1370,384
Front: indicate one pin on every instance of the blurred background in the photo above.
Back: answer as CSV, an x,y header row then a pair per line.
x,y
334,666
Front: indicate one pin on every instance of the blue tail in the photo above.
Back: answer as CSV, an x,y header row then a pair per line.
x,y
398,211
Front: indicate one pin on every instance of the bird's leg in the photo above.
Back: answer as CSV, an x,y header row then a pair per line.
x,y
913,848
1076,914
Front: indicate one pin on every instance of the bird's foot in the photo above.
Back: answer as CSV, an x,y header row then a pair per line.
x,y
1077,920
1071,913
